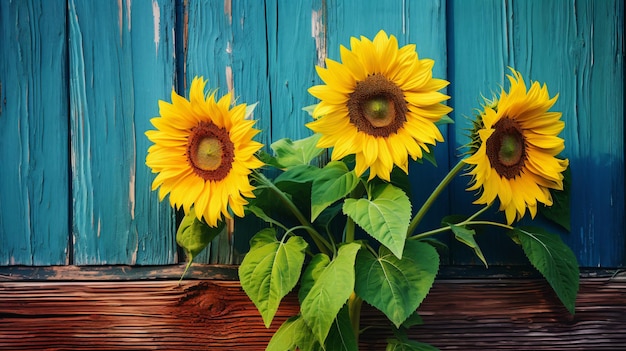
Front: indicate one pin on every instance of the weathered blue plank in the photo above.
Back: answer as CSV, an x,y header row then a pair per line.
x,y
121,63
34,180
576,48
226,43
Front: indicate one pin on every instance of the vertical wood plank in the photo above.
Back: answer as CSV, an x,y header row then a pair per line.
x,y
226,43
295,44
34,180
121,63
577,50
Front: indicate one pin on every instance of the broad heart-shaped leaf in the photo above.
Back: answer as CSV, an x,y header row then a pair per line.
x,y
194,235
293,333
396,286
553,259
330,292
559,212
466,236
385,216
270,270
290,153
332,183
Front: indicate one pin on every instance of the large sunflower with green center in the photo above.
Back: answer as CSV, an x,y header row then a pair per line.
x,y
380,104
518,144
203,153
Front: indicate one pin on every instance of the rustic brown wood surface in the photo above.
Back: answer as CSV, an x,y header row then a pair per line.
x,y
459,314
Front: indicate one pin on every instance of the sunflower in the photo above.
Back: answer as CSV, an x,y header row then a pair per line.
x,y
380,104
203,153
518,143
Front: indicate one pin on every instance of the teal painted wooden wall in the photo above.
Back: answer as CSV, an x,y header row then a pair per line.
x,y
79,81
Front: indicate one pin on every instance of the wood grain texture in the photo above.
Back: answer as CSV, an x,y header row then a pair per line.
x,y
34,175
577,49
121,64
459,315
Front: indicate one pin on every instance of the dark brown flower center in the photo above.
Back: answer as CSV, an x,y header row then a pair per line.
x,y
377,106
210,152
506,148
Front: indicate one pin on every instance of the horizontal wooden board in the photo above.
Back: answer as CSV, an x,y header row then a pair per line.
x,y
469,314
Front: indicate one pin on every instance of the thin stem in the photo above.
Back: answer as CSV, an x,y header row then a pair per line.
x,y
322,244
433,196
349,230
354,309
468,221
495,224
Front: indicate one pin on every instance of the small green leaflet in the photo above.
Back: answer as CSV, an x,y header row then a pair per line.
x,y
334,182
466,236
270,270
559,212
385,217
290,153
553,259
193,235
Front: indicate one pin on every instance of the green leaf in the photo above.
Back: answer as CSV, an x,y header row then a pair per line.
x,y
298,174
341,336
270,270
332,183
408,345
293,333
414,319
309,109
312,272
396,287
330,292
559,212
385,217
553,259
194,235
466,236
444,120
290,153
268,159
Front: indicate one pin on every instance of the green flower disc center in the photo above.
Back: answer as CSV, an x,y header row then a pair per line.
x,y
377,106
210,152
506,148
379,111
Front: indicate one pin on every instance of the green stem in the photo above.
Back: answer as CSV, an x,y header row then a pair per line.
x,y
468,221
322,244
354,308
433,196
349,230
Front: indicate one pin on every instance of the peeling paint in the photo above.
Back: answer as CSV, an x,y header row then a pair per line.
x,y
318,32
228,10
120,17
128,13
131,192
156,16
